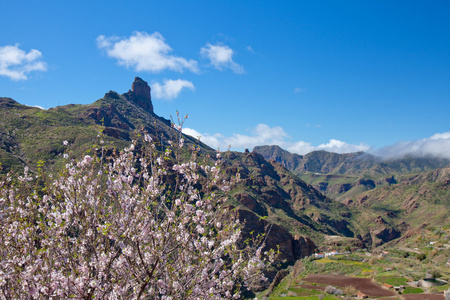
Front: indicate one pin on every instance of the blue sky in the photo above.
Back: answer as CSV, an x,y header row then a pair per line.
x,y
341,76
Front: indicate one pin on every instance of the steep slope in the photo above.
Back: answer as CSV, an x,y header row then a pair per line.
x,y
272,192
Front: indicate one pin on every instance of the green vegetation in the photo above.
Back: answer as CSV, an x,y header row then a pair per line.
x,y
421,256
412,290
332,267
392,280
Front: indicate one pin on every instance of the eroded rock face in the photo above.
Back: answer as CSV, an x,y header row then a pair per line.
x,y
291,248
108,116
141,88
340,188
302,246
140,94
386,234
251,203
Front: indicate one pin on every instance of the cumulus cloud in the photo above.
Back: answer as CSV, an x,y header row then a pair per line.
x,y
437,145
263,134
221,57
16,63
214,141
299,147
342,147
145,52
170,89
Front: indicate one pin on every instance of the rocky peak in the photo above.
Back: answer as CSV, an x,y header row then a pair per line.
x,y
140,94
141,88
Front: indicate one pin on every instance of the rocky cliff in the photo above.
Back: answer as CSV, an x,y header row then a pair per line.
x,y
140,94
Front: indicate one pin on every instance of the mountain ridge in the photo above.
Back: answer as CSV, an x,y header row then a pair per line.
x,y
356,163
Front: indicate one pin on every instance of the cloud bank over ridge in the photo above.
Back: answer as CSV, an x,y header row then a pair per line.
x,y
263,134
437,145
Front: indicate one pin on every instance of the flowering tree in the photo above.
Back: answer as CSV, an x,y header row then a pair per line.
x,y
141,224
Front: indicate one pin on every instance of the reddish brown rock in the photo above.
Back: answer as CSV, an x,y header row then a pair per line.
x,y
250,202
380,220
291,248
141,88
108,116
140,94
386,234
340,188
302,246
362,199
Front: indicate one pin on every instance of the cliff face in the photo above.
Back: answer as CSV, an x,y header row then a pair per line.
x,y
140,94
141,88
291,247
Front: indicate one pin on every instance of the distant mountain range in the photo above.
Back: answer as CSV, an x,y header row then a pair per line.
x,y
358,163
388,198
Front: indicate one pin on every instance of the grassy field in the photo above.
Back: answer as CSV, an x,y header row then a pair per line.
x,y
412,290
392,280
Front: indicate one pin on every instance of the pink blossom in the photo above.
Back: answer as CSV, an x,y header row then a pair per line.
x,y
109,229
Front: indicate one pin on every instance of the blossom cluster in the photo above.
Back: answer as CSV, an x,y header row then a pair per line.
x,y
142,224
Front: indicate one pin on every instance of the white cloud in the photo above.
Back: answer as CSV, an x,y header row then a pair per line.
x,y
171,88
299,90
214,141
145,52
221,57
17,64
342,147
437,145
263,134
299,147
